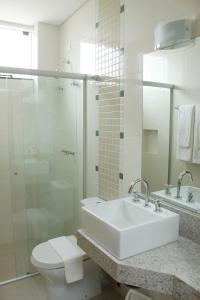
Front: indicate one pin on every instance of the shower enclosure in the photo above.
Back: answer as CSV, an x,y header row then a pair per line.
x,y
42,165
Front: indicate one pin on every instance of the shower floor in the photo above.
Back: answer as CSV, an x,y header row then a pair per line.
x,y
14,260
7,262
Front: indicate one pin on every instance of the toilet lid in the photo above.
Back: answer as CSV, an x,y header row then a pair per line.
x,y
45,257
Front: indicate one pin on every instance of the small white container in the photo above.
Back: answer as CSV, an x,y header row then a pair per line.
x,y
134,295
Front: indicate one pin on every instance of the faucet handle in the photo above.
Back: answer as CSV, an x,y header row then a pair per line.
x,y
168,189
135,196
157,206
130,189
190,197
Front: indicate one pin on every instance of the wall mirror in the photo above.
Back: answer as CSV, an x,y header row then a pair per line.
x,y
171,94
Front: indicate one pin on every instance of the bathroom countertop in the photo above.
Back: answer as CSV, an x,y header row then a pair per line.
x,y
172,269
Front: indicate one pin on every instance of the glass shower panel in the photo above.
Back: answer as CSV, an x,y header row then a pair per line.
x,y
51,159
7,254
40,166
21,92
12,213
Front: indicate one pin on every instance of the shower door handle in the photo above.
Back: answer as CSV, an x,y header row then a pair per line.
x,y
68,152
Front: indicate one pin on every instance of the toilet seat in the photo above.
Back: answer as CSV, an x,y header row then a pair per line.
x,y
45,257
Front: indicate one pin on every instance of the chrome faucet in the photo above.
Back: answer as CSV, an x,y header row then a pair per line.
x,y
146,184
190,197
180,178
157,206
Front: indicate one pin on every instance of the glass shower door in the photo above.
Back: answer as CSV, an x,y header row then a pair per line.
x,y
46,163
7,245
13,221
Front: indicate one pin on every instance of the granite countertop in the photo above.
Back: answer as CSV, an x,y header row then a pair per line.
x,y
172,269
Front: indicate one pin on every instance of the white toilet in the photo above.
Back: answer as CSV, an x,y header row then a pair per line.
x,y
45,259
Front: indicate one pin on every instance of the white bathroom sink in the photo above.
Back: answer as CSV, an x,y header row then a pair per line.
x,y
125,228
193,205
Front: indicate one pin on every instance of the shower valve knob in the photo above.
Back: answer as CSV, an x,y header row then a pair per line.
x,y
68,152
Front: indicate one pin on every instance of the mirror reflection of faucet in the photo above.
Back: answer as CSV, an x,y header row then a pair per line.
x,y
180,178
168,189
157,206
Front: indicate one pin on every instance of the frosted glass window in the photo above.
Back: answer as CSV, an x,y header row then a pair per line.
x,y
16,48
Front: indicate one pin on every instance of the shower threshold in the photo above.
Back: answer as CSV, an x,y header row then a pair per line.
x,y
6,282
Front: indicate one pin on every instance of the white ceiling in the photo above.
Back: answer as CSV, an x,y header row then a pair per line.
x,y
29,12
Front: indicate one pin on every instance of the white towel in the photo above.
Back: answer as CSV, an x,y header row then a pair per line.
x,y
72,256
185,132
196,149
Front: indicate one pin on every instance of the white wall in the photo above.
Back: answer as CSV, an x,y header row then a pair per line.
x,y
45,47
77,38
76,31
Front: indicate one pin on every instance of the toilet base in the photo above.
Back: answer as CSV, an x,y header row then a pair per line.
x,y
58,289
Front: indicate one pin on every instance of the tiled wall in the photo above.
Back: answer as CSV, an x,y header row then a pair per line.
x,y
109,98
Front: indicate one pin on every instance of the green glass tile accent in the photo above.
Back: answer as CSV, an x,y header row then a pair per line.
x,y
122,8
97,97
122,93
97,132
121,135
97,25
26,33
122,51
121,176
97,168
